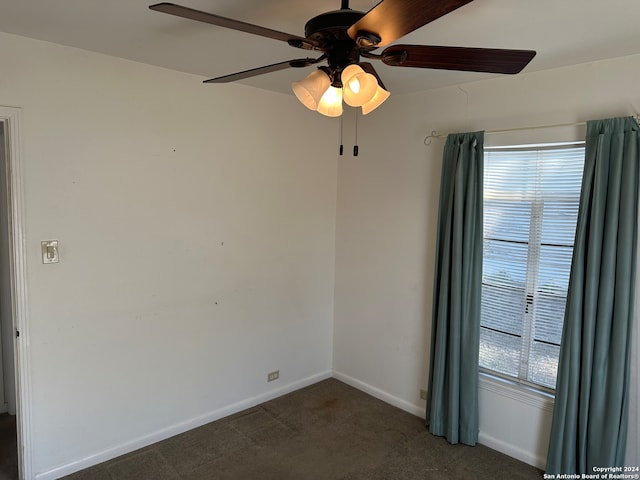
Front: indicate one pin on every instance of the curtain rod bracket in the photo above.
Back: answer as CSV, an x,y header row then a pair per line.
x,y
428,138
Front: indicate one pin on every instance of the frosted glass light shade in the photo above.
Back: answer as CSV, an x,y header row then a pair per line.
x,y
310,90
359,86
331,102
378,99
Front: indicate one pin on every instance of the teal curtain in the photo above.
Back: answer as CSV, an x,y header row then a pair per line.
x,y
452,399
589,427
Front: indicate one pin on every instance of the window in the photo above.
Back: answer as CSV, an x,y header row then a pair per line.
x,y
531,198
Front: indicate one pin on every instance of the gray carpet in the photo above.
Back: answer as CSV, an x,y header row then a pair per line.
x,y
8,448
323,432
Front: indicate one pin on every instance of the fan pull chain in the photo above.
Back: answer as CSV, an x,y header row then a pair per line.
x,y
355,147
341,144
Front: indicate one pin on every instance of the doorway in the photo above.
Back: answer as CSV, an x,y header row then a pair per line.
x,y
8,424
14,409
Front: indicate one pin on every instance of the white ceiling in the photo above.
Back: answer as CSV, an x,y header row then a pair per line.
x,y
563,32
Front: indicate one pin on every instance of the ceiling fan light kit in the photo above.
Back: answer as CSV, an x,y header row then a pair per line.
x,y
358,86
378,99
310,90
331,102
344,35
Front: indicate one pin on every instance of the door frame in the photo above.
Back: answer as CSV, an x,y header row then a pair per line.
x,y
12,120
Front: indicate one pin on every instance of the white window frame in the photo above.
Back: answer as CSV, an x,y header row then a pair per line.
x,y
531,283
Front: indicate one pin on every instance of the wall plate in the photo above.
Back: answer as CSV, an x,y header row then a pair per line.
x,y
49,251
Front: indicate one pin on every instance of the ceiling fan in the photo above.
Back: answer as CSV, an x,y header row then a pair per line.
x,y
345,35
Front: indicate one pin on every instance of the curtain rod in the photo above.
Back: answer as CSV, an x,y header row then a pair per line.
x,y
435,134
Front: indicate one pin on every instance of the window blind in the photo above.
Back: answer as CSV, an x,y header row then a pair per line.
x,y
531,198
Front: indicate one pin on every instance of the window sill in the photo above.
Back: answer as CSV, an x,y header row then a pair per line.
x,y
521,393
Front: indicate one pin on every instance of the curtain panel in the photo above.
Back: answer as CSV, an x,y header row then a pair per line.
x,y
590,418
452,400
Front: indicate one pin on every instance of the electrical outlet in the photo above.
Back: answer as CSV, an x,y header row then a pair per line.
x,y
271,376
423,394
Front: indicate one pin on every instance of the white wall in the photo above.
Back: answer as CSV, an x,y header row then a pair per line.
x,y
386,228
196,227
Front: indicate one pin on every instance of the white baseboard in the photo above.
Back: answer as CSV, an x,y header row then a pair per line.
x,y
512,451
176,429
416,410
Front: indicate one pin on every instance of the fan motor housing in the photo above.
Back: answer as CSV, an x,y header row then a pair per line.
x,y
330,31
331,26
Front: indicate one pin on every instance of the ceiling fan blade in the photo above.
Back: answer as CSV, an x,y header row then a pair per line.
x,y
298,63
392,19
192,14
492,60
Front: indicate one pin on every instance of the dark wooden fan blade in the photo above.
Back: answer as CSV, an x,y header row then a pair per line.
x,y
392,19
298,63
492,60
191,14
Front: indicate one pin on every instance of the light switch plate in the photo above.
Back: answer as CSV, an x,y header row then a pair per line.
x,y
49,251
